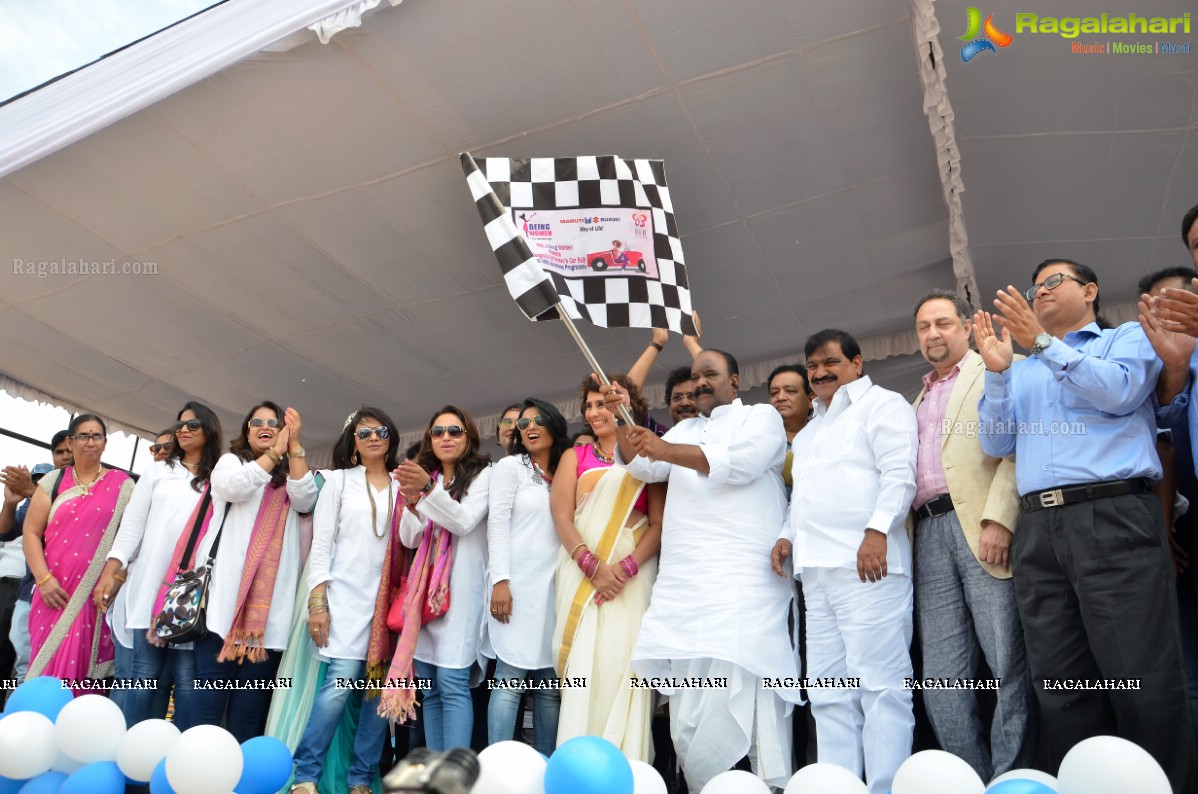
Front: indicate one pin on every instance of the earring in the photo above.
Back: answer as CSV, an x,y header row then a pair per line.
x,y
354,459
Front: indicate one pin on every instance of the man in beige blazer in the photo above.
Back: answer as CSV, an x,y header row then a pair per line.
x,y
965,510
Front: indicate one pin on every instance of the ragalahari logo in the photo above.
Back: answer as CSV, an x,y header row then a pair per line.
x,y
974,44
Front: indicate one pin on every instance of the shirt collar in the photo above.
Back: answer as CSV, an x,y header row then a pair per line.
x,y
853,391
724,408
1089,329
931,377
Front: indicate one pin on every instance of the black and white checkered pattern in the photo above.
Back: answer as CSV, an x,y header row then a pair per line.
x,y
501,184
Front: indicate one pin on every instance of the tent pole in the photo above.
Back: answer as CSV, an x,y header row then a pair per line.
x,y
586,351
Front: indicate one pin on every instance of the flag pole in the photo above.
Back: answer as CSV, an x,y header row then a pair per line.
x,y
586,351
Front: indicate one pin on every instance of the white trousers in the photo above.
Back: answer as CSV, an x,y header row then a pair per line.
x,y
859,630
713,729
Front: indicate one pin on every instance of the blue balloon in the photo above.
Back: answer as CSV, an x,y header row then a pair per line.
x,y
46,783
1020,786
588,765
158,781
267,766
10,786
44,694
102,777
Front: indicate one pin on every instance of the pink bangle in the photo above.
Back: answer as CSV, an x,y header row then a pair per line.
x,y
588,563
630,567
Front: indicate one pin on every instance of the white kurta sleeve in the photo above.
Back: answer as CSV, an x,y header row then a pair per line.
x,y
302,492
133,520
462,517
324,530
411,529
505,480
759,445
235,481
893,433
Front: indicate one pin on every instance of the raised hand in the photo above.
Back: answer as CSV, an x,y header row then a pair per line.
x,y
1018,317
995,350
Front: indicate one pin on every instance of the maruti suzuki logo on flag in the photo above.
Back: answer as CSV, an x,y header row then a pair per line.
x,y
993,36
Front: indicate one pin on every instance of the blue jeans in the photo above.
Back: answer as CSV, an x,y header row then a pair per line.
x,y
505,703
448,710
151,663
322,724
124,671
247,708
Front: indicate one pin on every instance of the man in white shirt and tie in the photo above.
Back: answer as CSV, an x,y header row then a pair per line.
x,y
715,638
854,479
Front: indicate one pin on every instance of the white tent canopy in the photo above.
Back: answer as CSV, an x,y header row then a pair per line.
x,y
314,241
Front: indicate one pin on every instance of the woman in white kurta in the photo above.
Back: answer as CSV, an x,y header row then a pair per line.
x,y
265,481
446,488
158,520
353,526
522,547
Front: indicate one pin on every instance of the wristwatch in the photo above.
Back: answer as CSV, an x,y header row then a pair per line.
x,y
428,487
302,453
1042,341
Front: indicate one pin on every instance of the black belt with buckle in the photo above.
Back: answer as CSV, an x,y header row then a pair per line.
x,y
936,506
1072,494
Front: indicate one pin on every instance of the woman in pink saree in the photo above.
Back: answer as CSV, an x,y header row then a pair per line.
x,y
68,530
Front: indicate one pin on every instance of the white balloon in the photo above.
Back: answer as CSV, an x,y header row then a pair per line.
x,y
510,768
736,781
646,779
936,772
89,728
27,747
205,759
1106,764
143,746
64,763
1034,775
825,779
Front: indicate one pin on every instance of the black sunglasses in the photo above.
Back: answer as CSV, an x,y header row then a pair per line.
x,y
381,431
191,424
156,448
454,431
524,421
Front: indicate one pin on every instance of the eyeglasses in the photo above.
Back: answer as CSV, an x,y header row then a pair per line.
x,y
679,396
1050,283
83,438
381,431
261,422
523,422
156,448
507,421
454,431
191,424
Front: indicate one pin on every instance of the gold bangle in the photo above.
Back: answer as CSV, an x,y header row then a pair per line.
x,y
47,578
276,457
118,577
576,548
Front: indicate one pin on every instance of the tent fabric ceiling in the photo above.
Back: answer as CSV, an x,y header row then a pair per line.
x,y
315,241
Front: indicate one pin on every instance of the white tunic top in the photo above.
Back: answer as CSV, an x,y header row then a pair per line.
x,y
348,553
452,639
522,546
715,596
242,485
157,514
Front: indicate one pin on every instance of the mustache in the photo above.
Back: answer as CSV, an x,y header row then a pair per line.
x,y
704,390
824,379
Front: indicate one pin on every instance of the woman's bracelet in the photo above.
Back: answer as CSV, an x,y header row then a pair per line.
x,y
45,579
276,457
118,577
629,565
576,548
588,563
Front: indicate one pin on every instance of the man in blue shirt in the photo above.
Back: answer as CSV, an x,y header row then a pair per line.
x,y
1092,570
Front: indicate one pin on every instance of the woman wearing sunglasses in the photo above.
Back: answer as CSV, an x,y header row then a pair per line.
x,y
264,480
445,486
609,527
168,502
355,564
522,549
66,542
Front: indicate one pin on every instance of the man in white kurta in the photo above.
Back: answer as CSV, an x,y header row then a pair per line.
x,y
854,479
715,638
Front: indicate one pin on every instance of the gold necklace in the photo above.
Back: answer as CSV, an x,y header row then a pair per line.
x,y
374,515
87,488
189,466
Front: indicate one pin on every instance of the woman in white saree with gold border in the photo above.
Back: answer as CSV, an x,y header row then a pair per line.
x,y
610,527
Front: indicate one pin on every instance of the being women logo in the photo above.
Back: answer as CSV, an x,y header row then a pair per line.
x,y
992,37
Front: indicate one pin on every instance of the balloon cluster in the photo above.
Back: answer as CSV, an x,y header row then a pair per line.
x,y
54,743
590,765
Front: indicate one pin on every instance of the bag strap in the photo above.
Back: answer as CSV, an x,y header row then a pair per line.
x,y
216,542
185,560
57,484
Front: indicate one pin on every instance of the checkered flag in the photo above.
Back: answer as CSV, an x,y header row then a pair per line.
x,y
639,287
